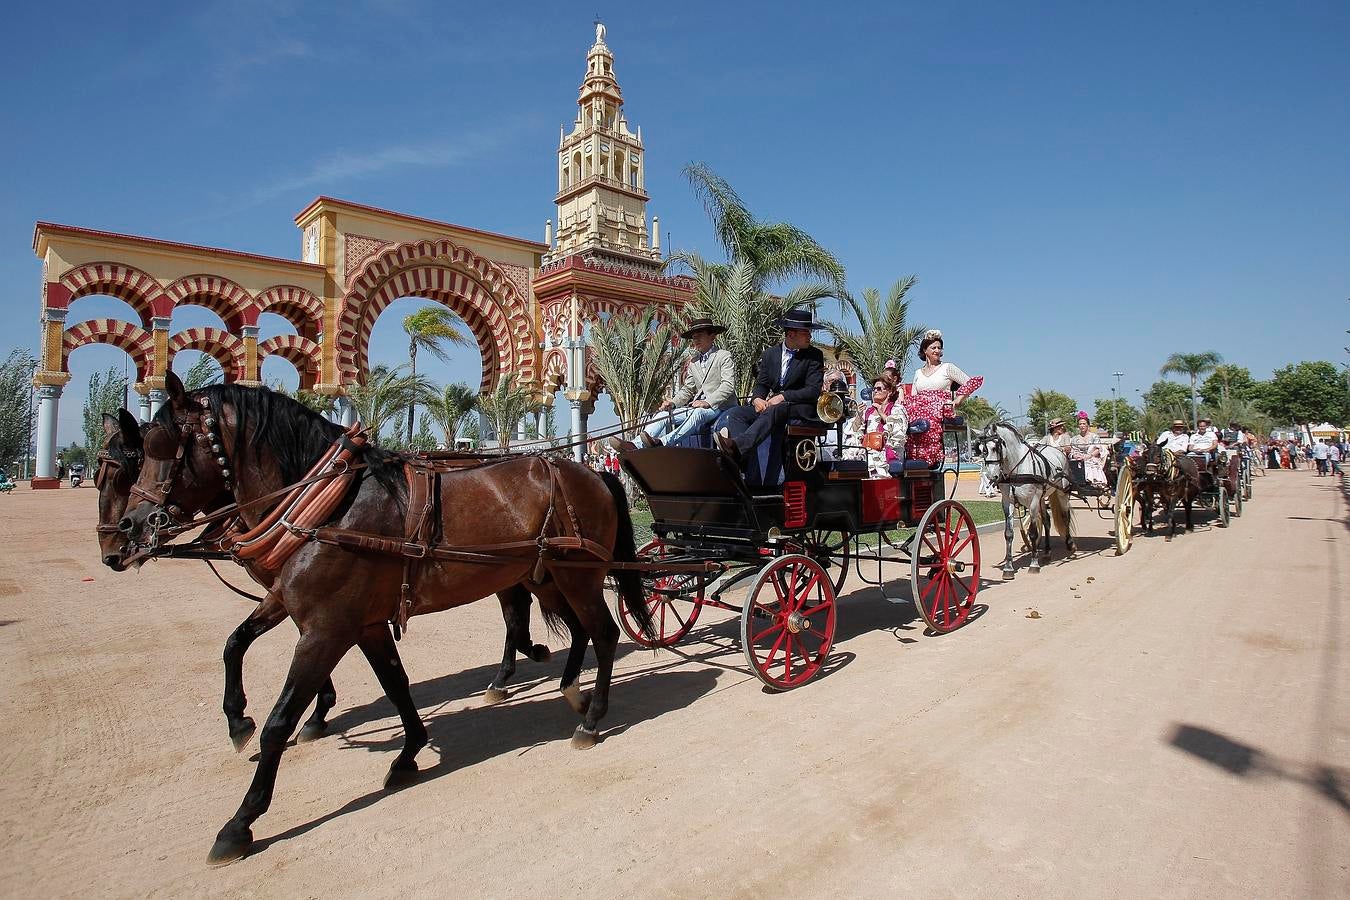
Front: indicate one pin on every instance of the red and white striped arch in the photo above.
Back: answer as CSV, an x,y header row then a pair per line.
x,y
294,304
142,292
304,354
475,289
232,303
222,346
137,342
555,370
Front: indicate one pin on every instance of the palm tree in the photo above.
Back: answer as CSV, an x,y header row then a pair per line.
x,y
505,406
884,334
637,358
385,394
1194,365
775,250
450,409
731,295
431,328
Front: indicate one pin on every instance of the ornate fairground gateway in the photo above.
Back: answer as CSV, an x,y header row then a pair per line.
x,y
528,304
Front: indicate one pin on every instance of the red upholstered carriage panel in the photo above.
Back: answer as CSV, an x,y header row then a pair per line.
x,y
920,498
880,500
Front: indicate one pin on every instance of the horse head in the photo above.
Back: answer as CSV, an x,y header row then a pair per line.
x,y
184,465
119,465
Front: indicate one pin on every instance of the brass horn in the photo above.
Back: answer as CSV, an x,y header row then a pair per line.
x,y
829,407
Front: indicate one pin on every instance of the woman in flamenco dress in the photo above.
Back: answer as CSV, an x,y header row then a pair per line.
x,y
932,398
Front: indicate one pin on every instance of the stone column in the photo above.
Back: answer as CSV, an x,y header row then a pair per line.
x,y
143,402
581,408
252,374
49,405
157,398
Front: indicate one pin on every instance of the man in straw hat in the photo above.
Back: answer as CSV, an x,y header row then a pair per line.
x,y
1176,438
1058,435
707,387
788,384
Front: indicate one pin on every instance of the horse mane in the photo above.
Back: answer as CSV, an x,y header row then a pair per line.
x,y
296,434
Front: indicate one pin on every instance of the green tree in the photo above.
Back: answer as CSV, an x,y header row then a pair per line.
x,y
774,250
638,359
1044,405
74,455
504,407
1309,393
1126,417
319,403
424,440
385,394
884,332
1192,365
979,412
203,372
1166,396
106,391
730,295
16,413
1229,381
431,328
451,409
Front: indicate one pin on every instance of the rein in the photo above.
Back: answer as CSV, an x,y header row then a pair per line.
x,y
1025,478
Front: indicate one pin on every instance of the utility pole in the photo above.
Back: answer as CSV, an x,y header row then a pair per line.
x,y
1115,392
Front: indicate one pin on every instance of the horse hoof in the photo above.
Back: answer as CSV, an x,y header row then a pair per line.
x,y
540,653
240,736
311,732
227,850
400,775
584,739
492,696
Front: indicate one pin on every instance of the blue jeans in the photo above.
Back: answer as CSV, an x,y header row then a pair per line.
x,y
672,426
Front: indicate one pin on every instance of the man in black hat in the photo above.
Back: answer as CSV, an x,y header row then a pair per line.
x,y
706,389
788,384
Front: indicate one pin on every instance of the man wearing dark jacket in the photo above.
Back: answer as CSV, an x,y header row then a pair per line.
x,y
788,384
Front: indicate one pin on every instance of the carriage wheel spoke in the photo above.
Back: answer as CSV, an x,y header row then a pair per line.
x,y
964,544
759,637
773,651
824,604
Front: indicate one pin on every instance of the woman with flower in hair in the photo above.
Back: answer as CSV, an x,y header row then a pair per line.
x,y
933,399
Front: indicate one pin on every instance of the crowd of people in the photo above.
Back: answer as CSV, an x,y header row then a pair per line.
x,y
895,422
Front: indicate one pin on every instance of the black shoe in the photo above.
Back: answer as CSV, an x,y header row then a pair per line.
x,y
728,446
621,445
648,440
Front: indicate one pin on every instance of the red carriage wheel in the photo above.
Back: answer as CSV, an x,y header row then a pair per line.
x,y
832,549
673,610
945,566
787,625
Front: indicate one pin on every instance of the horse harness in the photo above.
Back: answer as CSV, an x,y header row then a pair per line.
x,y
1016,480
304,506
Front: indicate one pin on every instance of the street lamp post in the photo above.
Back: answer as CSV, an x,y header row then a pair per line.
x,y
1115,407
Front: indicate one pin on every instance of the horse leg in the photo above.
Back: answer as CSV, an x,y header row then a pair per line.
x,y
516,614
316,655
1045,528
259,622
1034,531
576,653
1168,503
1009,573
316,726
584,592
380,650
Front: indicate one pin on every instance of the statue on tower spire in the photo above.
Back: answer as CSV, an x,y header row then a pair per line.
x,y
599,30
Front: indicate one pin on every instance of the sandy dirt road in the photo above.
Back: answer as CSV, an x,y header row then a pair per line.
x,y
1175,724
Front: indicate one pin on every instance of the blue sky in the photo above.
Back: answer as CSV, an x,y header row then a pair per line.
x,y
1081,188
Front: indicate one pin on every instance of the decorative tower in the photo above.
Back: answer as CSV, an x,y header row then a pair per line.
x,y
602,175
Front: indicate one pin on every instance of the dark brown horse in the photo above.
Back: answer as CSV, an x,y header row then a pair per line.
x,y
1165,478
341,598
119,465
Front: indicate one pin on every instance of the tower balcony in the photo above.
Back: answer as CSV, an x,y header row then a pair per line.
x,y
601,181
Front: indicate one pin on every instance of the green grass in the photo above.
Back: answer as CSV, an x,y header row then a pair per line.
x,y
982,511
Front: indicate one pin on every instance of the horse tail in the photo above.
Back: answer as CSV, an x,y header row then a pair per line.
x,y
1062,514
625,550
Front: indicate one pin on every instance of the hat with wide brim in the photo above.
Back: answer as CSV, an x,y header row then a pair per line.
x,y
701,325
1056,423
1176,422
801,319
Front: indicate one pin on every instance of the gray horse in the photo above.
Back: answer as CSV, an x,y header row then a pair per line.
x,y
1034,477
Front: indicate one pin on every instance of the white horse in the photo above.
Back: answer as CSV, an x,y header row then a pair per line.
x,y
1034,477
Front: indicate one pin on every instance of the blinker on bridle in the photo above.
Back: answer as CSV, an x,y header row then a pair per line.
x,y
204,429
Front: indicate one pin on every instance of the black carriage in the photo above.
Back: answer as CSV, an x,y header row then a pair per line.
x,y
1114,498
716,527
1221,486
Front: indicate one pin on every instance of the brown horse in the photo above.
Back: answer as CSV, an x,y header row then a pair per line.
x,y
1167,478
341,598
119,465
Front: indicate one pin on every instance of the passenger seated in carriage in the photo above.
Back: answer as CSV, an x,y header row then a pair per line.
x,y
706,389
1088,448
787,385
877,433
1204,441
932,398
1057,436
1175,438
